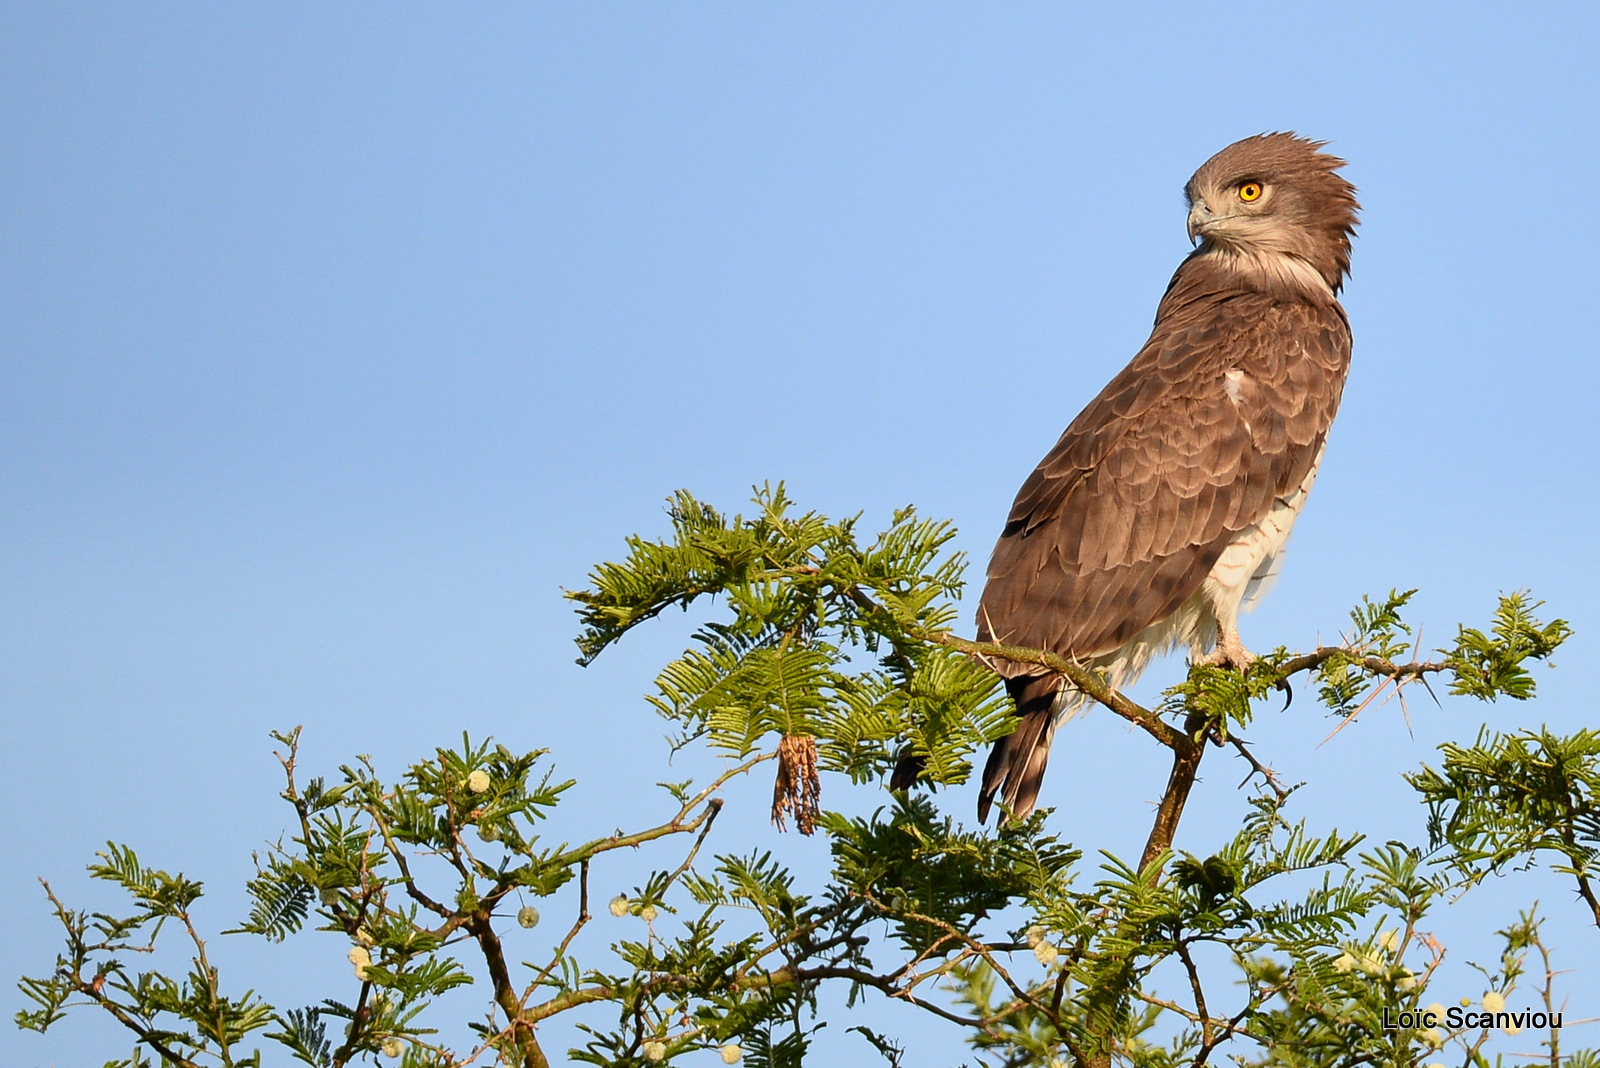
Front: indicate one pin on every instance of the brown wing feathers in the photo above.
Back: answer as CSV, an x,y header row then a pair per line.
x,y
1122,521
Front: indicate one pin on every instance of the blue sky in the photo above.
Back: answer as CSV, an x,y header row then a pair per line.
x,y
334,343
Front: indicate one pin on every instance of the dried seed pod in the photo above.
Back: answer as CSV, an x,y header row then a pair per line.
x,y
797,790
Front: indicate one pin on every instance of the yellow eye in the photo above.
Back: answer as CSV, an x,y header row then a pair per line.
x,y
1250,191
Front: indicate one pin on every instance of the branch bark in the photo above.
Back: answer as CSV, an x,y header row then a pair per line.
x,y
1186,755
1090,682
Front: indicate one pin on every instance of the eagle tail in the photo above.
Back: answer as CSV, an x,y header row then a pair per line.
x,y
1015,769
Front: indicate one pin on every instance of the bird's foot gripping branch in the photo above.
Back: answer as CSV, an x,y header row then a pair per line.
x,y
833,657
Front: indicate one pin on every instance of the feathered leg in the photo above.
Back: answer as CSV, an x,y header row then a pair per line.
x,y
1230,651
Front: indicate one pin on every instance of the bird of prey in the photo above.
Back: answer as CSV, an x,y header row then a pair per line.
x,y
1167,503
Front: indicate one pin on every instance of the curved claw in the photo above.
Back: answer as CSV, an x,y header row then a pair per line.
x,y
1283,684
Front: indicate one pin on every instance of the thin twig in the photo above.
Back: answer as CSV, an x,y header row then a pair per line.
x,y
1269,776
577,925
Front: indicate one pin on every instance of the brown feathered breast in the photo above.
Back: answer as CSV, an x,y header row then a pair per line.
x,y
1224,410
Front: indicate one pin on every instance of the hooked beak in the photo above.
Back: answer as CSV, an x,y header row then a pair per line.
x,y
1200,219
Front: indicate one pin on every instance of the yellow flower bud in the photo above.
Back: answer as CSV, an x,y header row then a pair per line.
x,y
1045,953
528,916
731,1053
655,1051
1493,1002
393,1046
478,781
619,905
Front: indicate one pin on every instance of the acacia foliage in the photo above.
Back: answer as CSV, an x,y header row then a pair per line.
x,y
824,636
1276,943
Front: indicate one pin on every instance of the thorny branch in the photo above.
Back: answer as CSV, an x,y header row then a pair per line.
x,y
1415,669
1268,776
695,815
1095,686
1090,682
94,989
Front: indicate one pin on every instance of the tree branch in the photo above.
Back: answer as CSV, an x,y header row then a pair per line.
x,y
676,825
1376,664
1186,756
1090,682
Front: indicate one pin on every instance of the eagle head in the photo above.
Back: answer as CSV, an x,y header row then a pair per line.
x,y
1275,205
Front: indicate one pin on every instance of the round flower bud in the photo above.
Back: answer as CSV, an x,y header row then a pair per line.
x,y
1370,965
364,938
1045,953
655,1051
487,833
1513,1030
1407,981
648,914
1344,962
1389,940
528,916
1033,936
731,1053
1433,1037
359,956
1493,1002
1465,1002
478,781
619,905
393,1046
329,896
1437,1009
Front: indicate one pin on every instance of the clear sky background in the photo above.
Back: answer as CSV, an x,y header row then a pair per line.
x,y
335,341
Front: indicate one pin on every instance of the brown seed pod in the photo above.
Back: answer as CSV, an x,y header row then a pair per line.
x,y
797,790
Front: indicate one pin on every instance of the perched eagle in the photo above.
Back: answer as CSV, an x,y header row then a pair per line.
x,y
1167,503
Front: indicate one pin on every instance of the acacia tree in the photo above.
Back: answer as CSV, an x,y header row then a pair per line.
x,y
833,656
